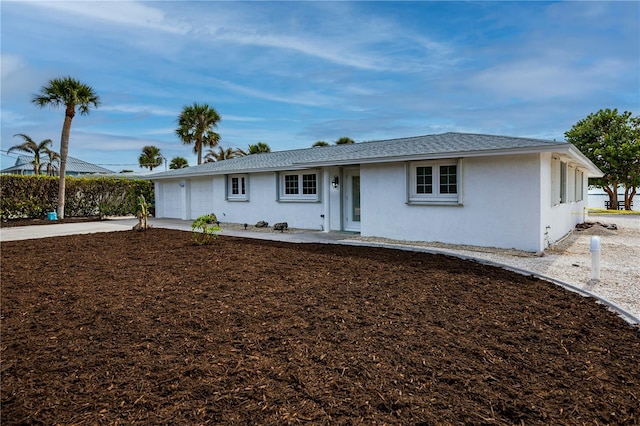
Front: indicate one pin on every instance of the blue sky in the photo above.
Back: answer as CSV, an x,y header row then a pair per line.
x,y
292,73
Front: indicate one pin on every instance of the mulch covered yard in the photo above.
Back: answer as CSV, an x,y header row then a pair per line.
x,y
146,328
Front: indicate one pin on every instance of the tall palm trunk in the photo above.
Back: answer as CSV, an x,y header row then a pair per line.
x,y
64,152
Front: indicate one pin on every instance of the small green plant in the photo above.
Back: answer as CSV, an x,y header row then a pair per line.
x,y
143,214
205,229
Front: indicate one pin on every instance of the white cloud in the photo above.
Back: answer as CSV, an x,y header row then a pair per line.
x,y
242,118
11,64
13,119
134,14
308,98
138,109
540,78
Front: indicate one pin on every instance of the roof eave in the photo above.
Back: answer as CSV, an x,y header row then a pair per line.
x,y
231,172
442,155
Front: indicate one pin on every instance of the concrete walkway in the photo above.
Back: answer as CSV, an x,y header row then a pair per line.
x,y
126,224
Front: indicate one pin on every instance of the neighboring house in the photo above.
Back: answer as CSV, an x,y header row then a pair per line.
x,y
75,167
453,188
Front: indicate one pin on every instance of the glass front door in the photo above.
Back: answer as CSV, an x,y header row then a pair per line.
x,y
352,212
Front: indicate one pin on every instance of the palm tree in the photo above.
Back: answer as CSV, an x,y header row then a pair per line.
x,y
254,148
195,126
32,148
319,143
69,93
259,148
222,154
151,157
53,162
344,141
178,163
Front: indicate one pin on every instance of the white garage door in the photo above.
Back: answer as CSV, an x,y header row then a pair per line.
x,y
172,200
201,197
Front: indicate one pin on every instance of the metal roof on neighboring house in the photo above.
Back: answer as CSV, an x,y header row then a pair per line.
x,y
25,163
402,149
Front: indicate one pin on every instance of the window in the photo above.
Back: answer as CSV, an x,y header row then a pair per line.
x,y
560,188
579,185
424,180
434,182
237,187
298,186
448,180
291,185
563,183
309,184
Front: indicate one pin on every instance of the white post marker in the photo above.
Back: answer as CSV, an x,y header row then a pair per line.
x,y
595,258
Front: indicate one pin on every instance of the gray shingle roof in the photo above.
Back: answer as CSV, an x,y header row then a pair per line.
x,y
418,147
24,162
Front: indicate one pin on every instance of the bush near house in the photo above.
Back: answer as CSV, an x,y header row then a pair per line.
x,y
34,196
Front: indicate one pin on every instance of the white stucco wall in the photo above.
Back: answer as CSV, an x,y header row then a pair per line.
x,y
207,195
499,205
506,202
203,195
558,219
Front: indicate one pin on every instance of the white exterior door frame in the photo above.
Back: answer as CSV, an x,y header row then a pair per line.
x,y
351,200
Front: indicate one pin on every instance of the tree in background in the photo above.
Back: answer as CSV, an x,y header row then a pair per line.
x,y
612,142
53,162
178,163
259,148
71,94
254,148
344,141
320,143
196,126
220,155
33,148
151,157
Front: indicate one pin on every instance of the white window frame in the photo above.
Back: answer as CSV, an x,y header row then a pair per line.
x,y
579,182
558,182
243,187
571,184
300,195
563,182
435,197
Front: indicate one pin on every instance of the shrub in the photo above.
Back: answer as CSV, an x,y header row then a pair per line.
x,y
205,229
143,215
35,196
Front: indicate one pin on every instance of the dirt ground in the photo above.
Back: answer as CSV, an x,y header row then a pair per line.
x,y
147,328
31,222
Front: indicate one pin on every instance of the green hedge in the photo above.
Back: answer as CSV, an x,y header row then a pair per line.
x,y
35,196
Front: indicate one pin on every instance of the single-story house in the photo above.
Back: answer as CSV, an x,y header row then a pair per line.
x,y
75,167
455,188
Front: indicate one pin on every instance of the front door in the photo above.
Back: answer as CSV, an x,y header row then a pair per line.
x,y
352,200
